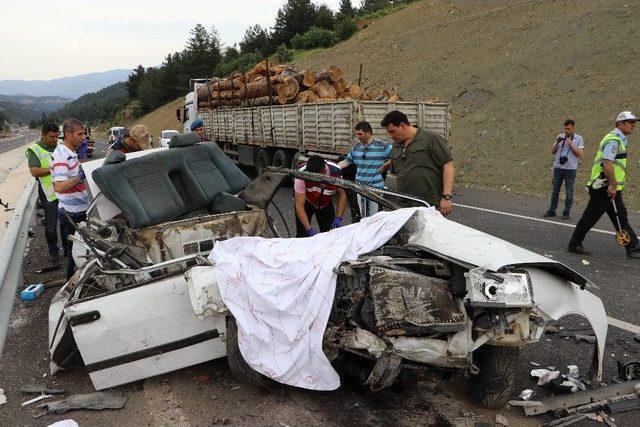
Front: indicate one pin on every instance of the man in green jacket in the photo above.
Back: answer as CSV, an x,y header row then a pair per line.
x,y
38,158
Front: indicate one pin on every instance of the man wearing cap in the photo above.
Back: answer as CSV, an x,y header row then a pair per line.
x,y
606,183
198,127
130,141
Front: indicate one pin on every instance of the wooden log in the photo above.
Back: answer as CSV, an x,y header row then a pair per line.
x,y
394,98
324,89
354,91
340,87
305,96
309,78
364,96
335,73
288,89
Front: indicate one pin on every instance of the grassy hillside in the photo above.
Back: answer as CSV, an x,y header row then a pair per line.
x,y
513,70
96,106
163,118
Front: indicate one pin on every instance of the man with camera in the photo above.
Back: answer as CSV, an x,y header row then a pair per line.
x,y
567,149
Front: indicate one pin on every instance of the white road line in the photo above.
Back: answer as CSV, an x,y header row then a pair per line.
x,y
612,321
563,224
624,325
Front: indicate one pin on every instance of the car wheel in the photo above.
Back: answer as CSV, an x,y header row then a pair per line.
x,y
495,384
263,160
238,366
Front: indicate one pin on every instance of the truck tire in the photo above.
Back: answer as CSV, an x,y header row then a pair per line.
x,y
282,159
264,159
495,384
237,365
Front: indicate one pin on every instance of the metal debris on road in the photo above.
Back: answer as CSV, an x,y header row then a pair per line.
x,y
544,375
501,420
37,399
47,269
526,394
587,338
628,371
39,389
96,401
585,262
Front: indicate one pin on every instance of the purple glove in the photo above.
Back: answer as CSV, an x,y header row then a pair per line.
x,y
81,176
337,222
311,232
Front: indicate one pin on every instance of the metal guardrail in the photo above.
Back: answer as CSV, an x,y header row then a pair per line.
x,y
12,250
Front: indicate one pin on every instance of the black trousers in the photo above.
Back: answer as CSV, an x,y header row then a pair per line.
x,y
50,221
599,203
324,216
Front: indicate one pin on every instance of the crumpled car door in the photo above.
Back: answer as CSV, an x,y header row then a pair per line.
x,y
143,331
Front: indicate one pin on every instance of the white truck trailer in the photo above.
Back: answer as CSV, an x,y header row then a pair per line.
x,y
278,135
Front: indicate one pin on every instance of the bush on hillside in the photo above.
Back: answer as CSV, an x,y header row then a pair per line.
x,y
241,64
315,37
284,54
345,28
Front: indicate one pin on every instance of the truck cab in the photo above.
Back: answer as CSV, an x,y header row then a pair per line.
x,y
187,113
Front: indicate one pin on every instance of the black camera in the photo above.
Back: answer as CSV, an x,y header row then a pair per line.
x,y
563,159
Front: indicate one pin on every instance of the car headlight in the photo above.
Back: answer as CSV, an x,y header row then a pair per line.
x,y
488,289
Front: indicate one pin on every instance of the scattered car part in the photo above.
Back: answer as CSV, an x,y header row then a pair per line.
x,y
628,371
39,389
94,401
623,406
37,399
544,375
582,398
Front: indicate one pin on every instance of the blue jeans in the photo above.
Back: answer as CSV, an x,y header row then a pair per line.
x,y
67,229
569,178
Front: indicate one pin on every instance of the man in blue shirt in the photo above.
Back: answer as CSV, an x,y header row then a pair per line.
x,y
568,148
369,154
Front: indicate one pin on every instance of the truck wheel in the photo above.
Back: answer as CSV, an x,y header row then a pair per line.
x,y
282,159
495,384
295,160
238,366
263,160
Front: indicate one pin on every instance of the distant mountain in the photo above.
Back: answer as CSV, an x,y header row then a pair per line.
x,y
24,108
97,106
66,87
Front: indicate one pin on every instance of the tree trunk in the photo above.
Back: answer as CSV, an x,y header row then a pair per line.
x,y
324,89
309,78
288,89
340,87
354,90
305,97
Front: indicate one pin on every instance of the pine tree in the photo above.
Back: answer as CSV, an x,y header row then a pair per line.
x,y
346,8
295,17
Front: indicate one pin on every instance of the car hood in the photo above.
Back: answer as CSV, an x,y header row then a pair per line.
x,y
472,248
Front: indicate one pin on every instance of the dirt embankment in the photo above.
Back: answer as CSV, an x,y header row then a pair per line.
x,y
513,70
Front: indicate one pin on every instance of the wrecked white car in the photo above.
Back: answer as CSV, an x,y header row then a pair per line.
x,y
436,295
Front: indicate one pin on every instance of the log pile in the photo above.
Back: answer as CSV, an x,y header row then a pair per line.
x,y
283,84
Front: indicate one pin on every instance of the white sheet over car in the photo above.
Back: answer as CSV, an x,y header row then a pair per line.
x,y
281,292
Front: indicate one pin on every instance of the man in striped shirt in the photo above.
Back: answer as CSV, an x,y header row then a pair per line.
x,y
368,155
70,185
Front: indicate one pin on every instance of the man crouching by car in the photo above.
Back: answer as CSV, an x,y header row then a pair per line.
x,y
314,198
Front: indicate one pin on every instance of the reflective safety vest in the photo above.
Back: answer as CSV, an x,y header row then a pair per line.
x,y
619,163
45,181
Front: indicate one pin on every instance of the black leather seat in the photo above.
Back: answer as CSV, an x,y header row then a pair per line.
x,y
173,184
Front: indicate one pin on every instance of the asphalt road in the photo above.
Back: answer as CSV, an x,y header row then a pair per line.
x,y
23,137
178,399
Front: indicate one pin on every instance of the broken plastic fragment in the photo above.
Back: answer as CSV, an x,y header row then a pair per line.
x,y
526,394
97,400
573,371
3,398
65,423
585,262
502,420
544,375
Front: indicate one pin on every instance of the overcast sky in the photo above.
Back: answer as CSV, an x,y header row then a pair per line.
x,y
46,39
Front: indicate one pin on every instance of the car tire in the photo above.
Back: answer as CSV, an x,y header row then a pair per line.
x,y
282,159
240,369
264,159
495,384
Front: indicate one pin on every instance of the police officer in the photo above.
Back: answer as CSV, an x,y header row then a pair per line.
x,y
38,160
607,181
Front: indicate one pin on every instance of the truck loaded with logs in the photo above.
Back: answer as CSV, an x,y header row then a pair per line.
x,y
273,115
